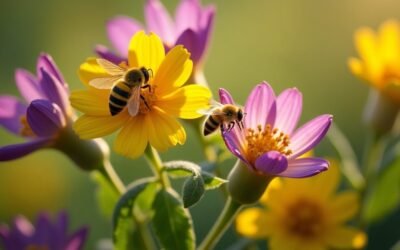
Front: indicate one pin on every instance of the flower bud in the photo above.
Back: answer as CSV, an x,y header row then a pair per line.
x,y
246,186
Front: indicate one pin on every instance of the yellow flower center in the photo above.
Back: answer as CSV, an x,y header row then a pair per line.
x,y
36,247
391,76
148,99
26,130
305,219
264,140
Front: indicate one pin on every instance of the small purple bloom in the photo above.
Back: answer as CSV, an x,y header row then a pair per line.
x,y
269,144
22,235
192,28
44,112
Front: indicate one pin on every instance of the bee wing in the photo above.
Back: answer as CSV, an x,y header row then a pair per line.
x,y
110,67
134,101
214,105
104,82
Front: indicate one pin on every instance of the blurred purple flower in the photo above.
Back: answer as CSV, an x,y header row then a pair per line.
x,y
268,143
43,113
43,235
192,28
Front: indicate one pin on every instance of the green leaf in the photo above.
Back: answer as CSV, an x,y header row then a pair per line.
x,y
385,196
193,191
122,215
106,195
211,181
172,223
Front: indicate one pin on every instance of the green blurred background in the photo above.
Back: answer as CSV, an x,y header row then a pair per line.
x,y
287,43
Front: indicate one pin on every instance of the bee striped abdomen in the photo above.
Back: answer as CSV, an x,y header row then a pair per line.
x,y
119,97
211,125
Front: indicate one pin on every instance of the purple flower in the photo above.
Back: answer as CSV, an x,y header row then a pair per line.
x,y
269,144
43,235
192,28
43,113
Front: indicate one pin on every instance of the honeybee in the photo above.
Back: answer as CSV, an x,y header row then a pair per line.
x,y
224,116
125,86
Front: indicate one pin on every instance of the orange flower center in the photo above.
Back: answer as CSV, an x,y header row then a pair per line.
x,y
148,99
264,140
36,247
305,219
26,130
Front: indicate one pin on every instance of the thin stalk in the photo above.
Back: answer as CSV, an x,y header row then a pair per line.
x,y
154,159
228,214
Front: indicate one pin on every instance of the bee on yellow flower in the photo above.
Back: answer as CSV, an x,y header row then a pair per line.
x,y
304,214
154,120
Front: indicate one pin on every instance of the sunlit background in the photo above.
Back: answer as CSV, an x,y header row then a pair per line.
x,y
287,43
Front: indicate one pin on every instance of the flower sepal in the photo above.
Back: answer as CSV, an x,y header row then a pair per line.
x,y
88,155
246,186
380,112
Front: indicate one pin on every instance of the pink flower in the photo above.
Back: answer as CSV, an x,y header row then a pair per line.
x,y
269,144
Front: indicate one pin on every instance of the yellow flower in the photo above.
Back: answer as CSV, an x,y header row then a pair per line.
x,y
379,62
304,214
156,123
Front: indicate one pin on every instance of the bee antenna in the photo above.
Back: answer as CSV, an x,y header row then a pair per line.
x,y
151,71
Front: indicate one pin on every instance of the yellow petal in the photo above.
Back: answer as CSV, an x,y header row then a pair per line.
x,y
328,181
174,70
389,35
346,238
168,127
356,67
186,101
91,102
146,51
367,46
133,138
90,70
88,127
274,185
344,206
284,241
252,223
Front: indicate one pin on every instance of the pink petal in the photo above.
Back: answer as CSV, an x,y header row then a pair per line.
x,y
305,167
11,110
159,21
309,135
46,62
120,30
260,108
28,85
77,240
188,15
225,97
234,144
271,163
54,90
289,105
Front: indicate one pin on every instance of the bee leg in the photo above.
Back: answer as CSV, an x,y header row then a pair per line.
x,y
147,86
145,102
230,126
222,127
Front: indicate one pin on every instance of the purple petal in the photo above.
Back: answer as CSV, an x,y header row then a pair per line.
x,y
271,163
44,232
225,97
120,31
11,110
28,85
207,27
5,238
234,144
77,240
105,53
190,40
45,118
260,106
309,135
159,21
305,167
47,63
289,105
15,151
188,15
55,91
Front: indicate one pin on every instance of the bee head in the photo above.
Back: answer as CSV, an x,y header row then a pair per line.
x,y
134,77
240,115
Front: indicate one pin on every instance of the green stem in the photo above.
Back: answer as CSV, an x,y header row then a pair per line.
x,y
109,173
231,208
156,165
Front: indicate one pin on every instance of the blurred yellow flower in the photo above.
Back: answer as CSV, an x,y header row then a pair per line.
x,y
156,122
304,214
379,62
